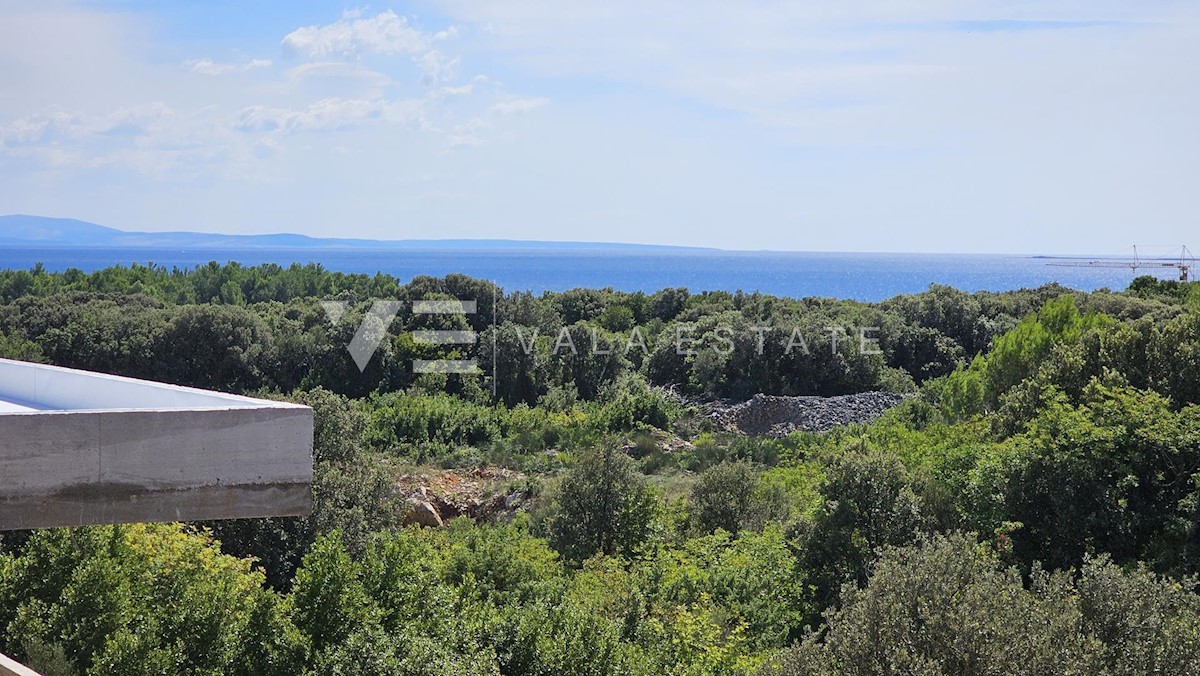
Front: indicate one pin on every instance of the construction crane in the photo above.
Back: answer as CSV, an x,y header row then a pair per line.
x,y
1183,264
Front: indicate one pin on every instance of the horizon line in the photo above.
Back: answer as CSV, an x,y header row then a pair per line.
x,y
367,244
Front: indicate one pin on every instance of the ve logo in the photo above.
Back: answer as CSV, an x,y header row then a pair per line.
x,y
374,328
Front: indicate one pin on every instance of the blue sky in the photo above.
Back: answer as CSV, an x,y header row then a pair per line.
x,y
1056,126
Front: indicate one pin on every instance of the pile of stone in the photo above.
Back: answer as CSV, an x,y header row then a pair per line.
x,y
655,440
766,415
483,493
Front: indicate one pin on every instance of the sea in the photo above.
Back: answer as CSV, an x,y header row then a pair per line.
x,y
860,276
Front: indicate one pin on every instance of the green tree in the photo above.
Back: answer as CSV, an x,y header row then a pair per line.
x,y
215,347
721,497
947,605
604,505
329,601
1115,474
141,599
868,502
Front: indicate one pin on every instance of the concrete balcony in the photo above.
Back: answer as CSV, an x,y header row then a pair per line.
x,y
79,448
10,667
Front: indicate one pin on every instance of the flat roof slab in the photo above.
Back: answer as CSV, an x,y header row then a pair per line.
x,y
7,406
79,448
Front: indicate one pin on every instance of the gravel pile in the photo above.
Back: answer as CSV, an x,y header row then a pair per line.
x,y
780,416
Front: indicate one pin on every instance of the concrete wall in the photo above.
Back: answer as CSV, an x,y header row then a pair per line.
x,y
10,667
137,451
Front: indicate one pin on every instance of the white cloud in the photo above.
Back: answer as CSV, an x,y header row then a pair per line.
x,y
451,32
50,126
56,126
354,37
138,120
461,90
326,114
337,79
384,33
519,105
153,139
210,67
436,67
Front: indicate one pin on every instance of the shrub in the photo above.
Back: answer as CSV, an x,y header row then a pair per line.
x,y
721,497
604,505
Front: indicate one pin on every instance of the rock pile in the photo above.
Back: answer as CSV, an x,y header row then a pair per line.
x,y
655,440
780,416
482,493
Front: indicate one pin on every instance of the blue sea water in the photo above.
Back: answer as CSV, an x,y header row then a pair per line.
x,y
861,276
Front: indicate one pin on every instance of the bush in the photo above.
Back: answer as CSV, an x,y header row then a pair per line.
x,y
421,426
142,599
868,502
947,605
721,497
1115,474
604,505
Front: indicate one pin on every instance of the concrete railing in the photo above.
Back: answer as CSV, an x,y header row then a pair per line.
x,y
10,667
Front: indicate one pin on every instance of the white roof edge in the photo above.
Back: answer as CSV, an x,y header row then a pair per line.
x,y
26,393
180,409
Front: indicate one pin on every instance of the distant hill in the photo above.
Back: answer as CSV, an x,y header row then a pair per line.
x,y
40,231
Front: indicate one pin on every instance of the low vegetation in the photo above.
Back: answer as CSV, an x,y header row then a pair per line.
x,y
1032,507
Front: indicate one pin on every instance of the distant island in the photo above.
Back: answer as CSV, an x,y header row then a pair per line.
x,y
41,231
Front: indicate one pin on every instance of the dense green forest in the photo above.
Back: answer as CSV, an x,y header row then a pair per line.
x,y
1032,507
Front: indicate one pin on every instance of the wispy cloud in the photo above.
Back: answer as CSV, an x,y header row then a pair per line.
x,y
210,67
519,105
1012,25
325,114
